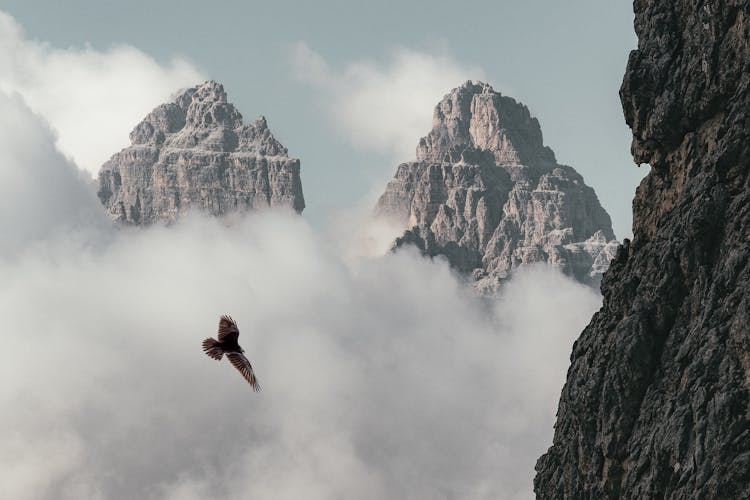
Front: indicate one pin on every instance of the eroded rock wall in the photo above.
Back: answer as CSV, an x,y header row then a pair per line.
x,y
657,398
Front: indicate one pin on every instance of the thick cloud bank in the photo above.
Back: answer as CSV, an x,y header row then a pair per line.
x,y
383,377
384,381
92,98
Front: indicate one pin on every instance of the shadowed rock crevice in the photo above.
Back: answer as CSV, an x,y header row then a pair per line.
x,y
194,153
657,398
486,193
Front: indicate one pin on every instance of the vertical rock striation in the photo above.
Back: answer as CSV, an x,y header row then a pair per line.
x,y
657,398
195,153
486,193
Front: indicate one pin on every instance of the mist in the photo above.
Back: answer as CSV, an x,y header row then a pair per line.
x,y
383,375
384,380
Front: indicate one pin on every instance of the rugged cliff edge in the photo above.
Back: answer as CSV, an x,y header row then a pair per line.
x,y
195,153
657,398
486,193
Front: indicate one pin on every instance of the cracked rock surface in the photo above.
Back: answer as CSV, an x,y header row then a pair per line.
x,y
194,153
487,194
657,398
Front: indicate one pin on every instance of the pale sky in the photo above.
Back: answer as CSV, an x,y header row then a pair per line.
x,y
332,77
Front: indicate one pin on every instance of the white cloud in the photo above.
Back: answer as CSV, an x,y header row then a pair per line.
x,y
92,98
384,380
383,377
42,195
386,106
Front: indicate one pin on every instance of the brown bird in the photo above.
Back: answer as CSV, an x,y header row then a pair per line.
x,y
227,344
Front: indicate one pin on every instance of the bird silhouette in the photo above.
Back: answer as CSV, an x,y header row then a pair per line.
x,y
227,344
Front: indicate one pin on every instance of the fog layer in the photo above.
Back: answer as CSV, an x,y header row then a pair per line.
x,y
383,377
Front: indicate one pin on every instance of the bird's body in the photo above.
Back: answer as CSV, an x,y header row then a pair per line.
x,y
227,344
224,347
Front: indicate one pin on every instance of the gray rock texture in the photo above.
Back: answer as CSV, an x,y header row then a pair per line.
x,y
195,153
657,399
486,193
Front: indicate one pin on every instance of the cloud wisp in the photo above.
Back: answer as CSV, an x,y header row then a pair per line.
x,y
382,106
92,98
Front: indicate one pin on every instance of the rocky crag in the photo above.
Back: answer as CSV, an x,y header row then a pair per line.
x,y
486,193
657,398
195,153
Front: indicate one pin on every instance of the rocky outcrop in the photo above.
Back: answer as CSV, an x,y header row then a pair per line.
x,y
195,153
486,193
657,398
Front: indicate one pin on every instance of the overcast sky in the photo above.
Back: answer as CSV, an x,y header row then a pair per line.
x,y
344,115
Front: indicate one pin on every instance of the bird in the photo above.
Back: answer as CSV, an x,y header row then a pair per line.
x,y
227,344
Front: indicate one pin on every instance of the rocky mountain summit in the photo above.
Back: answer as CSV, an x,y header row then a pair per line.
x,y
657,398
195,153
486,193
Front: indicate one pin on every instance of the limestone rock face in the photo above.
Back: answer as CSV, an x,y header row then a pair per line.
x,y
657,398
486,193
195,153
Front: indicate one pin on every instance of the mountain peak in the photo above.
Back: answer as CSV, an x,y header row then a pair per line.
x,y
195,152
487,194
476,87
209,107
476,116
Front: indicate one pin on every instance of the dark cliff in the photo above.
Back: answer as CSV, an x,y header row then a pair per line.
x,y
657,398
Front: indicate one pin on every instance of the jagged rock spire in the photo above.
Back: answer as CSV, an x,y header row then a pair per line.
x,y
195,153
476,116
487,193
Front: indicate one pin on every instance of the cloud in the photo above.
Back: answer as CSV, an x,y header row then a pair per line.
x,y
384,380
43,195
91,98
382,106
383,377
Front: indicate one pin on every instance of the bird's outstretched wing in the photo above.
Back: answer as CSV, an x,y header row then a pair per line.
x,y
242,364
228,329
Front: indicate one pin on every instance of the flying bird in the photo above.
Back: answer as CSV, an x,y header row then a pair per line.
x,y
227,344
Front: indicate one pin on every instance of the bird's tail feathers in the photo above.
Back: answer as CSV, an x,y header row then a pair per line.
x,y
255,384
211,348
